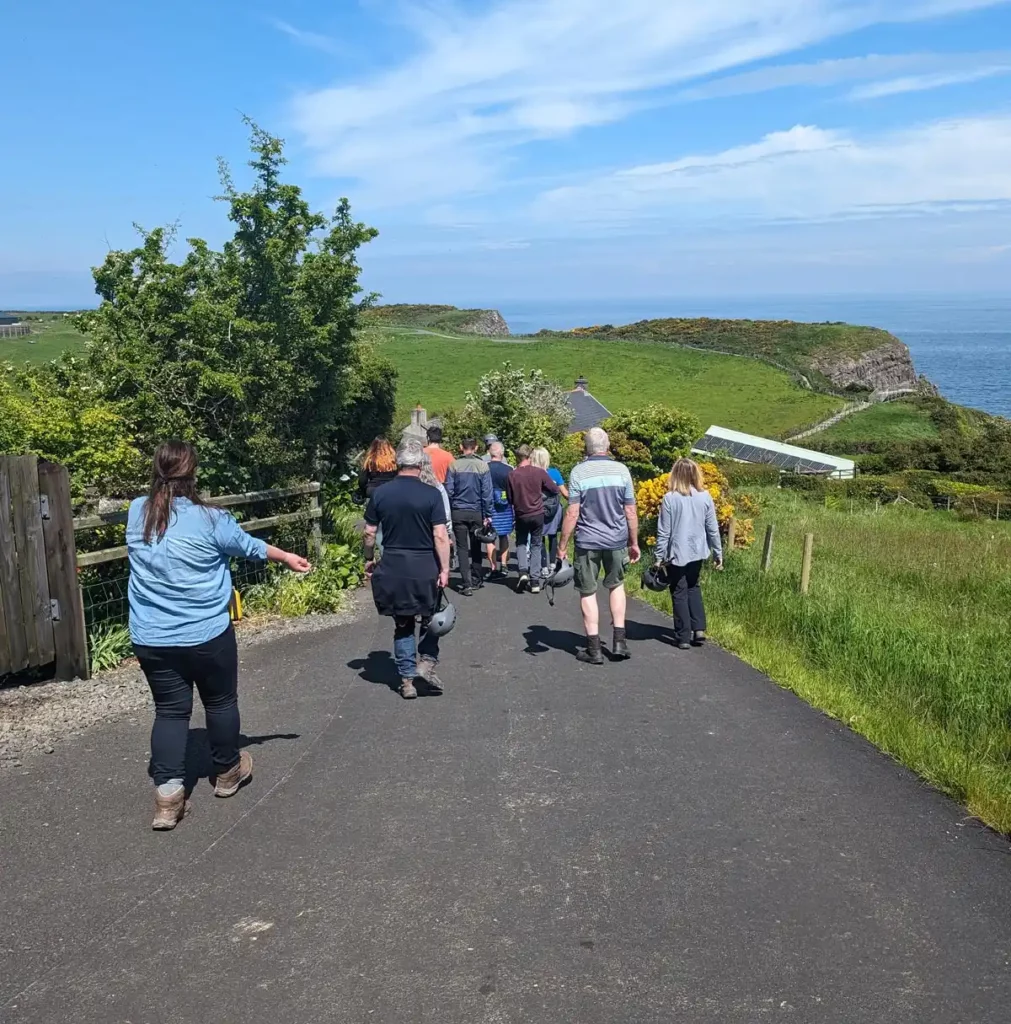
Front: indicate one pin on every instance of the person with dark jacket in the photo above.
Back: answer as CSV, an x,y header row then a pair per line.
x,y
379,466
468,484
179,591
526,486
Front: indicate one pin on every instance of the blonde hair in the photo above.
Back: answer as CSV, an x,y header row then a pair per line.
x,y
686,476
541,457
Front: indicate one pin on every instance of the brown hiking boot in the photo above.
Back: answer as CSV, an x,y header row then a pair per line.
x,y
407,690
169,811
426,673
230,782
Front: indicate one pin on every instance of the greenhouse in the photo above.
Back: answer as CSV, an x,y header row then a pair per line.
x,y
787,457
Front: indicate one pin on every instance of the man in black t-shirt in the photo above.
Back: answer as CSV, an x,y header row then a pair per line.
x,y
408,582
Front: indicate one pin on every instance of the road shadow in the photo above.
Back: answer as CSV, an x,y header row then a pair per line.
x,y
379,668
636,631
198,752
541,639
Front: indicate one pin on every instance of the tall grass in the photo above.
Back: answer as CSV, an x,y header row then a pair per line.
x,y
904,635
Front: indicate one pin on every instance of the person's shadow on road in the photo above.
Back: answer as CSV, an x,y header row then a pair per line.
x,y
649,631
379,668
541,639
198,752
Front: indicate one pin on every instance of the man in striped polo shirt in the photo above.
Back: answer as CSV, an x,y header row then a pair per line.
x,y
603,516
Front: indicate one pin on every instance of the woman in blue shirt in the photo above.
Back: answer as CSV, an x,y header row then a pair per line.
x,y
179,590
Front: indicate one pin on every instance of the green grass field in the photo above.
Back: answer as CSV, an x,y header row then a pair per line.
x,y
903,637
52,335
730,391
889,421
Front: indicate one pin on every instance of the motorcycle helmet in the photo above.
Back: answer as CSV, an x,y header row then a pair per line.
x,y
655,578
561,576
444,618
484,534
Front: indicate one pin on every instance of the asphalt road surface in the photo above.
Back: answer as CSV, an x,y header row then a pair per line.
x,y
669,839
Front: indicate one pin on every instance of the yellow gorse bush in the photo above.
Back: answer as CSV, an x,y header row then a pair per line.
x,y
649,496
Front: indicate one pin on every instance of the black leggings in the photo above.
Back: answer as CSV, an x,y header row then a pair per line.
x,y
172,672
686,594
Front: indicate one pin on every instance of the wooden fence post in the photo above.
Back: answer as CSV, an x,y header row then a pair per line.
x,y
770,532
316,534
31,558
70,636
14,652
731,534
805,566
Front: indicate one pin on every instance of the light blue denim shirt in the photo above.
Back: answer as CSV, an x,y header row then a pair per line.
x,y
687,528
180,585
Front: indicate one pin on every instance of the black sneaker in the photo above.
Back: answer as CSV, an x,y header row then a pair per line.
x,y
522,583
467,591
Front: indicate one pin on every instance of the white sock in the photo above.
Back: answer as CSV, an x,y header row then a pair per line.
x,y
170,788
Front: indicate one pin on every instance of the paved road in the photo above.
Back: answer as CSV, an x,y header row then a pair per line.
x,y
671,839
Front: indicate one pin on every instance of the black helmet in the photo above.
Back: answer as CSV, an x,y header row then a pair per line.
x,y
444,618
655,578
484,534
561,576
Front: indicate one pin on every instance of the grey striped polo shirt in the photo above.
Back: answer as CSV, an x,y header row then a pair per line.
x,y
603,488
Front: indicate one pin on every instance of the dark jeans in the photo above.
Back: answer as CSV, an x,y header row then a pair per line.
x,y
463,520
172,672
685,592
531,530
407,647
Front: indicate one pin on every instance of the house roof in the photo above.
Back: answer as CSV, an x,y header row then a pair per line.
x,y
751,448
586,411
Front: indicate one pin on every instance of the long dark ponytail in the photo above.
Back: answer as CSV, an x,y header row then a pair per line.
x,y
173,475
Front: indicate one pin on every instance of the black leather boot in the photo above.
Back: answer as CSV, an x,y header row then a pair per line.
x,y
593,655
619,649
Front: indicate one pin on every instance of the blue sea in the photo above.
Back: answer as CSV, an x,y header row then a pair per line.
x,y
962,344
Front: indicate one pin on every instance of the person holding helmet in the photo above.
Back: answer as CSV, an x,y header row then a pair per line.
x,y
687,533
602,515
527,485
408,583
468,484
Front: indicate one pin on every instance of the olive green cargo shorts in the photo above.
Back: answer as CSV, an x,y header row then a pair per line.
x,y
589,563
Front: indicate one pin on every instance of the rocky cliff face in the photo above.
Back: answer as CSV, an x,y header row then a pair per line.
x,y
487,322
885,368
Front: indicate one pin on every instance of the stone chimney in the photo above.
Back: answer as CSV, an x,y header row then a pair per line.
x,y
418,425
582,384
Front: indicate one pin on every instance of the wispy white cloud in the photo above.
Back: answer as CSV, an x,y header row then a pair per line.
x,y
921,83
934,69
485,81
312,40
805,173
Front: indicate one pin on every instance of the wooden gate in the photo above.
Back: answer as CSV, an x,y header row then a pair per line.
x,y
41,615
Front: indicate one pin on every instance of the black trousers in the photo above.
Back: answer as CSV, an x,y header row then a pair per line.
x,y
172,672
463,520
686,594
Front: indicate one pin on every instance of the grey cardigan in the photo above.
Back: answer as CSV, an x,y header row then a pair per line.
x,y
687,529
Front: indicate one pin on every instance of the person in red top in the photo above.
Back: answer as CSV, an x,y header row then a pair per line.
x,y
441,459
526,488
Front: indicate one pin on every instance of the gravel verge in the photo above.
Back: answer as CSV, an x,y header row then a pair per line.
x,y
35,718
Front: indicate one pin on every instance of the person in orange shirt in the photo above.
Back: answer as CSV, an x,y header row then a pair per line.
x,y
441,459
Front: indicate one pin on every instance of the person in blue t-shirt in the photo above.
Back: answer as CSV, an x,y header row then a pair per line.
x,y
502,518
179,590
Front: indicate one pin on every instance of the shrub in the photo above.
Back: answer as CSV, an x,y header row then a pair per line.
x,y
660,435
753,473
803,482
108,646
650,493
286,593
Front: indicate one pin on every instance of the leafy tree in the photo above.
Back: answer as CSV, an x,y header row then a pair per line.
x,y
250,353
652,438
518,406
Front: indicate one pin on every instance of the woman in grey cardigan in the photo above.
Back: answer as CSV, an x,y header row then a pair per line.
x,y
686,535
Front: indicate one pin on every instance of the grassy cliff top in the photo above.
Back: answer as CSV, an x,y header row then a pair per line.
x,y
428,317
794,346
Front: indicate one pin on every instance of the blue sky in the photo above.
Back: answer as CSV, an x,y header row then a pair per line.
x,y
510,149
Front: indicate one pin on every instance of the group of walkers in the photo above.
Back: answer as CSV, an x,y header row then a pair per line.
x,y
418,500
